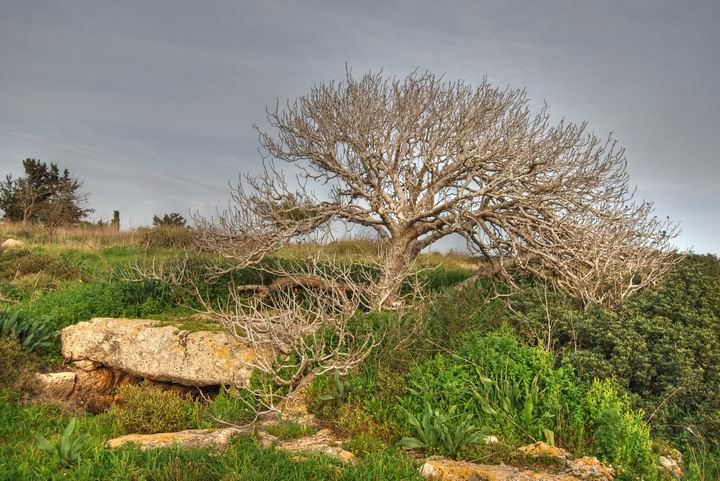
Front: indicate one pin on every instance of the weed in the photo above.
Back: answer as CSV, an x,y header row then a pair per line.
x,y
437,432
67,447
33,335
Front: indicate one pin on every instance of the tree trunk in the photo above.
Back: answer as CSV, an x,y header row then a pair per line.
x,y
395,266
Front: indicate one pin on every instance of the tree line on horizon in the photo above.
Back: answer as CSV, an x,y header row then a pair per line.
x,y
50,196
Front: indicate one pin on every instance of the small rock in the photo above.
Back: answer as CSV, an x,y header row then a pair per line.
x,y
672,465
54,385
543,449
490,440
11,244
590,468
191,438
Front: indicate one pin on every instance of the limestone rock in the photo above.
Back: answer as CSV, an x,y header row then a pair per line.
x,y
87,365
191,438
11,244
541,449
589,467
54,385
161,353
440,469
672,464
322,441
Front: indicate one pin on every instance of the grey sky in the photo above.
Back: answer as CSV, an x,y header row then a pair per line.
x,y
152,102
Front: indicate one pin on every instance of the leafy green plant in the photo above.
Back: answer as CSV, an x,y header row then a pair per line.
x,y
32,334
448,433
620,434
342,390
514,390
67,447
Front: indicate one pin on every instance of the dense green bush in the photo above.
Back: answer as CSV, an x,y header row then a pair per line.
x,y
81,302
514,391
620,434
517,393
662,345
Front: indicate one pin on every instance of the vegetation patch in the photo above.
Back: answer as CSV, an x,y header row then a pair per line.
x,y
148,409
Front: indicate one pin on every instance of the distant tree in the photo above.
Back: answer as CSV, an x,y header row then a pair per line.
x,y
115,222
44,195
172,219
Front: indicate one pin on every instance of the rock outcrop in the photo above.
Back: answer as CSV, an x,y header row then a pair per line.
x,y
191,438
92,389
586,468
144,349
322,441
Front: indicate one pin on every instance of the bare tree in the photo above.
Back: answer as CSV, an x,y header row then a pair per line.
x,y
418,158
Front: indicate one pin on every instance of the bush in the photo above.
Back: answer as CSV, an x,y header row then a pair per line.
x,y
518,393
620,435
661,345
231,406
148,409
17,365
513,390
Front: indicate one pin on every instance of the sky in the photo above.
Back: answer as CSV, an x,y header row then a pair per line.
x,y
152,102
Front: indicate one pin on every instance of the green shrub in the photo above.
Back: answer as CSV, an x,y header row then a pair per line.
x,y
513,390
231,406
144,408
33,335
662,345
620,435
16,364
517,393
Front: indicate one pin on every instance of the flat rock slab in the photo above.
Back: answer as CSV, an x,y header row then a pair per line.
x,y
191,438
448,470
322,441
144,349
582,469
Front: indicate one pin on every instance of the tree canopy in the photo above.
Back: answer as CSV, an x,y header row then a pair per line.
x,y
420,158
44,195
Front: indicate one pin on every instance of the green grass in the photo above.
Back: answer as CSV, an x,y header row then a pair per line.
x,y
21,458
290,430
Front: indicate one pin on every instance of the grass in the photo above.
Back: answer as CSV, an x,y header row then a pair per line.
x,y
22,459
290,430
